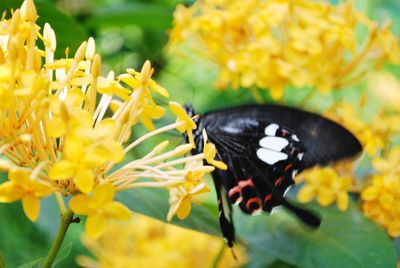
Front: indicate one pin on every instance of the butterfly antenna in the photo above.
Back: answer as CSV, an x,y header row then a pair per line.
x,y
187,83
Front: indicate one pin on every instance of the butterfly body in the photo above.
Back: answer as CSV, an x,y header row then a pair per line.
x,y
264,147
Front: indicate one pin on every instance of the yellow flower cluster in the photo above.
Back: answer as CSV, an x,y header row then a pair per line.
x,y
374,133
144,242
377,132
327,186
274,43
64,126
380,197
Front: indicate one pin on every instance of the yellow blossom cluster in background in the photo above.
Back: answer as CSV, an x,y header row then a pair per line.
x,y
380,187
275,43
64,126
380,197
145,242
327,186
323,46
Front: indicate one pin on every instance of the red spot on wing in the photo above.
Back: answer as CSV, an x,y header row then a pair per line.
x,y
251,201
235,193
288,166
234,190
245,183
267,197
278,181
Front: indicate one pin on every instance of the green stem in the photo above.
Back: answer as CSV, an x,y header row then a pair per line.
x,y
66,220
60,203
2,261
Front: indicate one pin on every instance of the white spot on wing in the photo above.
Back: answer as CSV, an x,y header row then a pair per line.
x,y
274,143
276,209
287,190
256,212
300,156
295,138
271,129
270,157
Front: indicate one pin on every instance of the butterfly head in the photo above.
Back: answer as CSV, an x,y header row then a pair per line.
x,y
189,109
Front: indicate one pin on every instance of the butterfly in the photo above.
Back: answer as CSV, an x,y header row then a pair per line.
x,y
264,148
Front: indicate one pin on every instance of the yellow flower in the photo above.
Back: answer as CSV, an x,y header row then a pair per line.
x,y
99,209
210,153
187,123
180,200
67,125
86,149
390,163
22,187
137,242
271,44
196,172
379,202
385,86
379,197
327,186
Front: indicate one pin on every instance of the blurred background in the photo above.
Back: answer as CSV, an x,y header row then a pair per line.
x,y
127,32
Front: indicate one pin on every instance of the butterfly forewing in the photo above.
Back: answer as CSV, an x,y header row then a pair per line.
x,y
324,140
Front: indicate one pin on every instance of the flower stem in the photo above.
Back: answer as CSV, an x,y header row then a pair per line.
x,y
66,220
2,261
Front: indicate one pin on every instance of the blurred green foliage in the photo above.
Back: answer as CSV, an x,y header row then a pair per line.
x,y
129,32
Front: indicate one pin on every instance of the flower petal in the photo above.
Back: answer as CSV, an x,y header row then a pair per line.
x,y
184,208
56,127
42,190
31,206
9,192
95,226
82,204
117,211
306,194
342,201
84,180
62,170
103,194
19,177
106,129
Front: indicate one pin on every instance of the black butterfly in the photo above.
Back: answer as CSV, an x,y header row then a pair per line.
x,y
264,147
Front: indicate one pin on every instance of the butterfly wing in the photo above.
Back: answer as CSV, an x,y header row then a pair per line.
x,y
263,147
325,140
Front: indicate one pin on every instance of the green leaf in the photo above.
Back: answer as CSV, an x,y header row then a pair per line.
x,y
32,264
68,32
64,252
145,15
21,240
343,240
154,203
